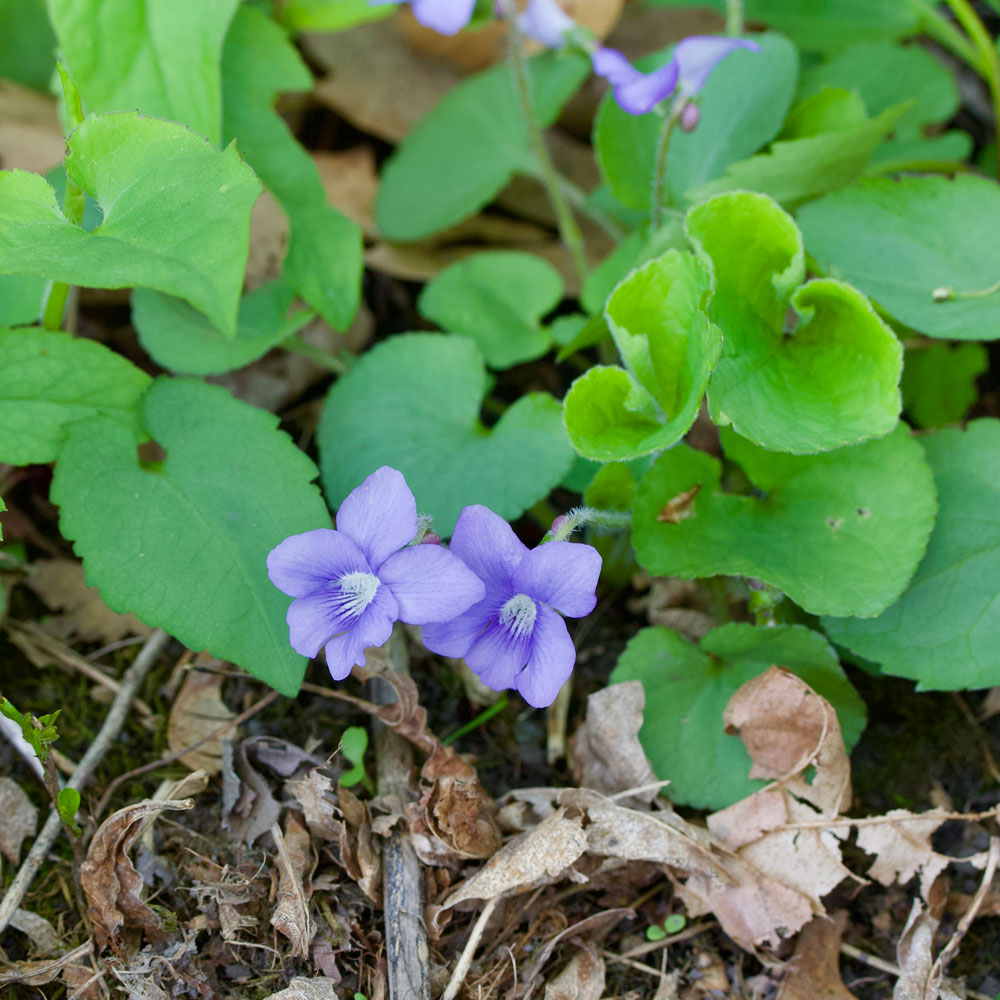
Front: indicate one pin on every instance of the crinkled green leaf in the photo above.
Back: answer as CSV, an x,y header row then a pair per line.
x,y
840,532
413,403
48,380
899,240
182,543
324,249
669,347
832,379
182,339
159,57
944,632
742,107
883,74
497,298
469,147
939,382
176,215
795,170
687,690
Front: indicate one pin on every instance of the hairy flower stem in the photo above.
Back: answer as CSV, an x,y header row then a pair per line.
x,y
734,18
568,228
74,203
580,516
660,165
989,56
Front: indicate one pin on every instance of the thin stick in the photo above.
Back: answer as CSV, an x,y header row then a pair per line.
x,y
53,966
113,723
469,951
823,824
632,964
407,949
184,751
689,932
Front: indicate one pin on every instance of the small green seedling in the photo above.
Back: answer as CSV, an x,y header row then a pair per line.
x,y
39,732
672,925
353,745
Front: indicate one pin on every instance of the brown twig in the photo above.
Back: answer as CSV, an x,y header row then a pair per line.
x,y
174,757
468,952
113,722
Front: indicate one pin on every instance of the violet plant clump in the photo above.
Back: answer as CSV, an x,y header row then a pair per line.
x,y
513,637
352,583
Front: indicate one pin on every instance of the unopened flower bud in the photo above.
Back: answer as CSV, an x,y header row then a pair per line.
x,y
690,116
431,538
558,523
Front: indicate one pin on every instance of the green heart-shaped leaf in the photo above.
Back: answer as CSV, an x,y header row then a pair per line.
x,y
687,690
831,380
939,381
669,347
48,380
469,147
182,543
822,526
944,632
176,215
899,240
497,298
413,403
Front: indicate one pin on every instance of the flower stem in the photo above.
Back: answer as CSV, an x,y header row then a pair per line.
x,y
989,57
495,709
74,203
297,345
580,516
568,228
943,31
735,19
660,166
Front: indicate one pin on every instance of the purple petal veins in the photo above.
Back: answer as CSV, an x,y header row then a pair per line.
x,y
352,583
512,638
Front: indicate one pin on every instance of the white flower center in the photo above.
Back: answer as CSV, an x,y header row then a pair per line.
x,y
357,591
518,615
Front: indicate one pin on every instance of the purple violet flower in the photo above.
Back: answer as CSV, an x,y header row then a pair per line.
x,y
445,16
546,22
513,638
692,63
352,583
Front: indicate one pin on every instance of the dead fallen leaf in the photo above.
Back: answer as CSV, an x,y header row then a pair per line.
x,y
321,812
60,583
108,878
358,853
814,969
197,710
607,754
581,979
269,232
31,136
295,860
538,857
300,988
43,936
915,955
20,819
902,849
350,180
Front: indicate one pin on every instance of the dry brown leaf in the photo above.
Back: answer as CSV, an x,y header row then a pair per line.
x,y
40,932
197,710
377,81
581,979
31,135
321,813
108,878
20,819
269,233
607,754
358,853
82,983
814,969
295,860
300,988
902,849
915,955
350,180
60,583
538,857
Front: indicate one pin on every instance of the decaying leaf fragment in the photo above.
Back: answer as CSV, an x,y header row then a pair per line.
x,y
20,819
108,878
320,811
814,969
358,853
581,979
197,710
904,848
291,914
607,754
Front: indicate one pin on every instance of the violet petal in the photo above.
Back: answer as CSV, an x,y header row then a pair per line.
x,y
498,655
444,16
456,637
546,22
305,563
561,574
698,55
486,543
372,629
430,584
614,67
641,95
552,658
380,515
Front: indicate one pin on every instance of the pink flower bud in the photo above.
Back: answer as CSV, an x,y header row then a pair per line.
x,y
690,116
558,523
431,538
